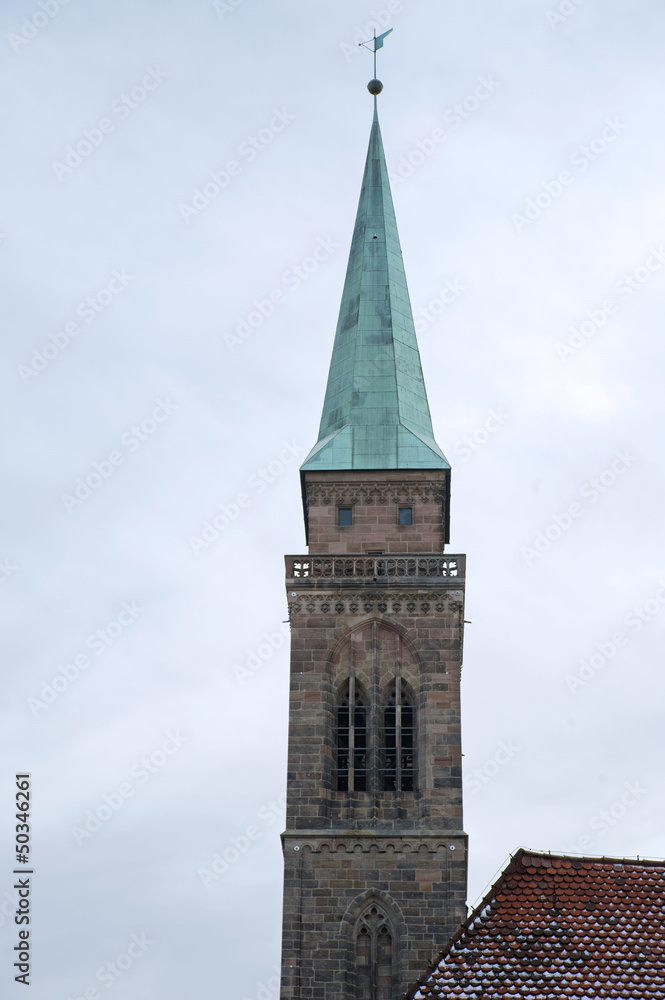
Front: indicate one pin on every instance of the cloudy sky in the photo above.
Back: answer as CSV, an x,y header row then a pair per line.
x,y
170,170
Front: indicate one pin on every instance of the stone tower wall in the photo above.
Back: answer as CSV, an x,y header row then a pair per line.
x,y
401,614
421,881
375,498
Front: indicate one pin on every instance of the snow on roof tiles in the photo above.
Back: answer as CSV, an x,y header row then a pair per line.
x,y
554,926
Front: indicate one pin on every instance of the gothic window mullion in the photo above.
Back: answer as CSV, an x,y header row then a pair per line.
x,y
374,756
374,957
352,730
398,728
373,964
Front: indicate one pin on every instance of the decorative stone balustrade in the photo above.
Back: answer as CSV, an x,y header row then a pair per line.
x,y
385,569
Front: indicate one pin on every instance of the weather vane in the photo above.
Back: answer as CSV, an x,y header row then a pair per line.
x,y
375,86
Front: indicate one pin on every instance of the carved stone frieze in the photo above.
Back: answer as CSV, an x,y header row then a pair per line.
x,y
413,604
343,494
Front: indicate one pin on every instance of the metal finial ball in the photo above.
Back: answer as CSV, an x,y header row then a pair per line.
x,y
375,87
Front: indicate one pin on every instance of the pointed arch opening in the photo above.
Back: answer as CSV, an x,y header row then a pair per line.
x,y
351,738
374,954
373,722
398,739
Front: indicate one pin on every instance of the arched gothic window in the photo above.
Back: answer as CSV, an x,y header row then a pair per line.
x,y
374,956
351,740
399,742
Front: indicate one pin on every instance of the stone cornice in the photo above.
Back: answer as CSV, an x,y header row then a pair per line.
x,y
399,842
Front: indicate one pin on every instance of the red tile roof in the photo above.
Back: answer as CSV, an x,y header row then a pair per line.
x,y
558,926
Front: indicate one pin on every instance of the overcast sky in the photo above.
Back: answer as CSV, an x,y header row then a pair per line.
x,y
167,339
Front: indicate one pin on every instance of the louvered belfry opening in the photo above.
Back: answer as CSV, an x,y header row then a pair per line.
x,y
374,956
398,767
351,740
374,735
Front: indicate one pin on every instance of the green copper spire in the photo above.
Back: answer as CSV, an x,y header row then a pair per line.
x,y
375,412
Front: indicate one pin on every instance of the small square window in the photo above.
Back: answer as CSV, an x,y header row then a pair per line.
x,y
405,515
345,516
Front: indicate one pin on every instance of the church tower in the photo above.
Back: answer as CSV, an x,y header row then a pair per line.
x,y
374,850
